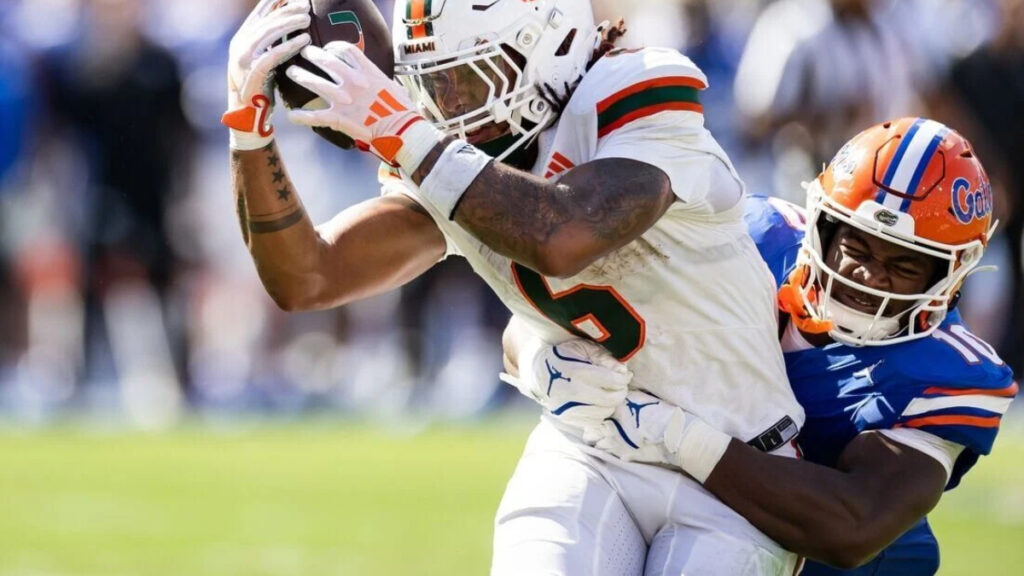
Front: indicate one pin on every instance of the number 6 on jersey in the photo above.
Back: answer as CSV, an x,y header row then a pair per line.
x,y
613,323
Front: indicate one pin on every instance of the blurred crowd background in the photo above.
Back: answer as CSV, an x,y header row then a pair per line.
x,y
126,293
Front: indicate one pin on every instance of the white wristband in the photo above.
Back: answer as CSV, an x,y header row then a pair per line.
x,y
417,140
248,140
695,446
455,170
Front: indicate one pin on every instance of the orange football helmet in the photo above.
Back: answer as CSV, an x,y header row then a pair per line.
x,y
913,182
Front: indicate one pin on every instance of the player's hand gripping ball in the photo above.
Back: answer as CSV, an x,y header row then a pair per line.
x,y
255,51
357,22
362,102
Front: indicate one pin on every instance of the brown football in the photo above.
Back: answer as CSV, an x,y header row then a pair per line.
x,y
356,21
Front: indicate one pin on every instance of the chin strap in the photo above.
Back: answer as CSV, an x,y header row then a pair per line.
x,y
791,301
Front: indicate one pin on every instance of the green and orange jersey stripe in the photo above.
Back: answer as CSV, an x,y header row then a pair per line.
x,y
646,98
418,10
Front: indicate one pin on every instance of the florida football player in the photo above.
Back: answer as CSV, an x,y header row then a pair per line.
x,y
623,224
901,399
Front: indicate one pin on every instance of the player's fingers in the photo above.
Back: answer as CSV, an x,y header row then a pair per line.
x,y
621,413
327,62
596,378
280,54
579,414
357,65
574,351
581,395
329,91
608,362
593,434
279,20
277,17
278,29
615,443
617,397
611,382
311,118
347,51
609,445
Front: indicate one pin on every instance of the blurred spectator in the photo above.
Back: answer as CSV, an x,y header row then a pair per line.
x,y
986,100
16,114
15,103
815,72
118,96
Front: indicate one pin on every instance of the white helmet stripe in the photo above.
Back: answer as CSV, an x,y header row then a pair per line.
x,y
911,160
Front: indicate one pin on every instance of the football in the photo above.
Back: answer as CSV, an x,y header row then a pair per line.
x,y
356,21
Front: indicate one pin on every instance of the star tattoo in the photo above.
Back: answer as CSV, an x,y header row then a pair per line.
x,y
272,160
278,176
284,193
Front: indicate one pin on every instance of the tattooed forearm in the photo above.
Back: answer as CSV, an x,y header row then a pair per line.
x,y
514,215
243,215
594,208
264,199
278,234
271,224
364,250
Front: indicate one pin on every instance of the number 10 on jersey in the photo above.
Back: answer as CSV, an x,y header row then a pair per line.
x,y
597,313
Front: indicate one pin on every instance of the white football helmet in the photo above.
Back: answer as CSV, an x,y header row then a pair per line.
x,y
476,68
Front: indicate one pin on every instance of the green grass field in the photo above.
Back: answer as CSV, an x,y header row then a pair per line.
x,y
331,499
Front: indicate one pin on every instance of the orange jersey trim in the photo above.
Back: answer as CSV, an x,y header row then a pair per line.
x,y
1008,392
952,420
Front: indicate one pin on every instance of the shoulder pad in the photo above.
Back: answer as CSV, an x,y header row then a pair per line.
x,y
954,355
777,229
627,84
961,392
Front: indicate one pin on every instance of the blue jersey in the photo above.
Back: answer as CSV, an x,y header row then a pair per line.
x,y
959,393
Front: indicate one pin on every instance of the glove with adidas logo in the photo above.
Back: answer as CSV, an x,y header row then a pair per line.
x,y
364,104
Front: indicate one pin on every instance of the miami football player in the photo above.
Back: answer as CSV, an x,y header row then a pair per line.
x,y
612,215
901,399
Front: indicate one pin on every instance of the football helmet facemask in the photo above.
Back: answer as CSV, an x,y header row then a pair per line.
x,y
476,69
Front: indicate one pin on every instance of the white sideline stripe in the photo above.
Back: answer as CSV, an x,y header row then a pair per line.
x,y
913,157
989,403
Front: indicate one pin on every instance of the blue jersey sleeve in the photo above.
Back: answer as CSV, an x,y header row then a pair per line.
x,y
777,228
959,393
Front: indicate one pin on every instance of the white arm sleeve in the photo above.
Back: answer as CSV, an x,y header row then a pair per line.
x,y
944,451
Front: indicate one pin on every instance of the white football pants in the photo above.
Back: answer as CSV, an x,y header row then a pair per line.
x,y
572,510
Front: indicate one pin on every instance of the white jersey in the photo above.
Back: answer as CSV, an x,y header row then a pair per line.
x,y
690,305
